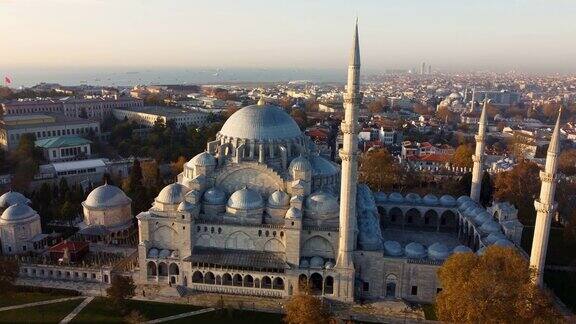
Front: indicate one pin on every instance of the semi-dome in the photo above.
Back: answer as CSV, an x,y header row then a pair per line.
x,y
261,122
438,251
304,263
316,262
447,201
380,197
396,197
462,249
215,196
413,198
17,212
415,250
322,202
293,213
392,248
172,194
106,196
279,199
245,199
431,200
322,167
300,163
490,227
12,198
164,254
202,159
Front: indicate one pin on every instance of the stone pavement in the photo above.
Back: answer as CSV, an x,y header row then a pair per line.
x,y
76,310
40,303
183,315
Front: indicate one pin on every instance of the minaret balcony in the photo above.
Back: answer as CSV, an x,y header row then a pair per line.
x,y
548,177
349,128
544,208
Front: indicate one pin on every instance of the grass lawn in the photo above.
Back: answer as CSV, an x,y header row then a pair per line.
x,y
231,317
101,310
25,297
52,313
430,312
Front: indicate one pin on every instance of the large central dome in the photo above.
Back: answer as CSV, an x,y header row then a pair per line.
x,y
260,122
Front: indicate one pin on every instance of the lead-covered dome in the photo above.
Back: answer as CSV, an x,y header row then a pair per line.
x,y
12,198
17,213
279,199
172,194
106,196
202,159
321,203
260,122
300,163
215,196
245,199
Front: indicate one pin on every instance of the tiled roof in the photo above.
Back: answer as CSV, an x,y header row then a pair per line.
x,y
238,258
62,141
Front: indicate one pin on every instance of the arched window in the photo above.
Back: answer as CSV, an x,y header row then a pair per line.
x,y
209,278
174,270
162,269
237,280
302,282
329,285
152,268
197,277
266,282
316,283
278,283
226,279
248,281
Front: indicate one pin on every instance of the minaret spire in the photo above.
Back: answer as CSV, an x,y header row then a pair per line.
x,y
349,181
545,206
478,157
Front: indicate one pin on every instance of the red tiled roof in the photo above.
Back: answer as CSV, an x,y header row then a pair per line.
x,y
70,245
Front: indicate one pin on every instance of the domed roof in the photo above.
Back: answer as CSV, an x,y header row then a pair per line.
x,y
245,199
293,213
185,206
164,254
447,201
304,263
380,197
494,237
300,163
438,251
316,262
490,227
329,264
12,198
153,253
261,122
504,243
454,95
322,202
396,197
322,167
467,204
392,248
462,249
279,199
106,196
430,199
202,159
413,198
172,194
17,212
415,250
463,199
215,196
470,211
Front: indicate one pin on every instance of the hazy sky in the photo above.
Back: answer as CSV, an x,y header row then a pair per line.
x,y
450,34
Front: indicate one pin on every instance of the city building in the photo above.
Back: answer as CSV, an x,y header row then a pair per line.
x,y
64,148
148,115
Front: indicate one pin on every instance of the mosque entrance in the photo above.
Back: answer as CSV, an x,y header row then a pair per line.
x,y
316,282
391,281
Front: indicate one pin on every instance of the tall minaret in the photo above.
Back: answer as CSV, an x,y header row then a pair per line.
x,y
349,181
478,157
545,206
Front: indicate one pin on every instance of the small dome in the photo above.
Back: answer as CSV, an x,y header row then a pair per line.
x,y
415,250
396,197
470,212
438,251
430,200
463,199
465,205
12,198
504,243
392,248
454,95
279,199
322,167
293,213
413,198
447,201
329,264
202,159
494,237
316,262
300,163
304,263
490,227
164,254
17,212
185,206
245,199
172,194
380,197
153,253
462,249
322,202
106,196
482,218
215,196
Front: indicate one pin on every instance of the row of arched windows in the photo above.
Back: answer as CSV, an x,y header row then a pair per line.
x,y
238,280
162,269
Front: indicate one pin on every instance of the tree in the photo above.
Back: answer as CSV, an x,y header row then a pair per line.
x,y
379,170
9,269
519,186
494,287
463,156
306,309
178,165
377,106
567,162
445,114
121,288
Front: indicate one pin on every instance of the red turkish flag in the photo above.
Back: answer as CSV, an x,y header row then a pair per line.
x,y
7,80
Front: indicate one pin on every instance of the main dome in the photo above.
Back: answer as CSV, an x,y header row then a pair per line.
x,y
260,122
106,196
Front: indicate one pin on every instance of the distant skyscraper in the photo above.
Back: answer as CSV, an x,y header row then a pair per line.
x,y
423,68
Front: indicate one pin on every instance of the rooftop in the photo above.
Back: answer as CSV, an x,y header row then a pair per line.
x,y
62,141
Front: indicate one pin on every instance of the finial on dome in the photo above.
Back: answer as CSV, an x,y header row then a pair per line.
x,y
261,101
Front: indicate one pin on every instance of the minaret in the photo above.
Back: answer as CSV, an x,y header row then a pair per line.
x,y
349,181
545,206
478,157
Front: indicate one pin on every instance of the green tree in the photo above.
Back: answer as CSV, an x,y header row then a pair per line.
x,y
494,287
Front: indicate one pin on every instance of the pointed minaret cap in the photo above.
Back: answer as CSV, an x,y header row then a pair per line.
x,y
554,146
261,101
483,119
355,53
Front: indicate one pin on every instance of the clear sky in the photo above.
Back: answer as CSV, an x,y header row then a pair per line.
x,y
537,35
